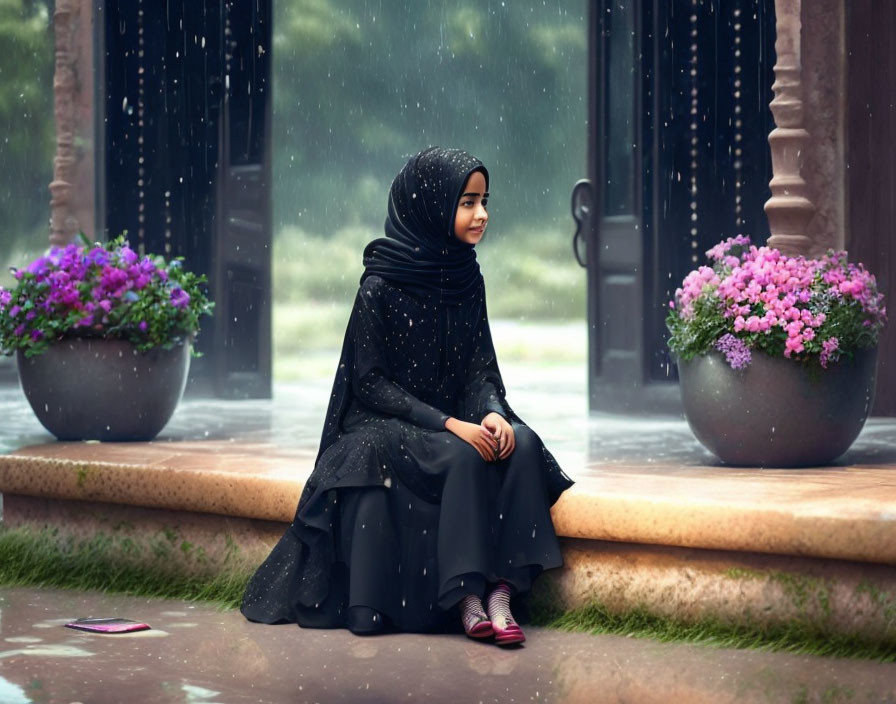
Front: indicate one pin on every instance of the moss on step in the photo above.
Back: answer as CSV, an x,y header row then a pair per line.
x,y
810,595
799,636
82,471
41,558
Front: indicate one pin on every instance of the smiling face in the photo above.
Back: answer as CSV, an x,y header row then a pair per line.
x,y
471,217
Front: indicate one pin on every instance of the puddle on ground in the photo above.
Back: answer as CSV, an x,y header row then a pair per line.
x,y
23,639
185,624
52,622
172,613
48,650
198,694
363,649
12,694
151,633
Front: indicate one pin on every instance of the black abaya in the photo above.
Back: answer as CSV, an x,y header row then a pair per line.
x,y
400,516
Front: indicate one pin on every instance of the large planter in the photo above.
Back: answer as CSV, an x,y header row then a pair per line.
x,y
777,412
95,389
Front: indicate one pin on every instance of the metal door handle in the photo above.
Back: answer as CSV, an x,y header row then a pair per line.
x,y
581,206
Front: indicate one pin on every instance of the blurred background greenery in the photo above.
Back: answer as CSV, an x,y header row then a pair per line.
x,y
359,86
26,128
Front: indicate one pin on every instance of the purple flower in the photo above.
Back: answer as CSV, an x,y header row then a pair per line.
x,y
97,256
38,267
114,280
127,255
180,298
70,296
94,287
736,352
830,349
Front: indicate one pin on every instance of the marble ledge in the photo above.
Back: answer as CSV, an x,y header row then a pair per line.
x,y
846,512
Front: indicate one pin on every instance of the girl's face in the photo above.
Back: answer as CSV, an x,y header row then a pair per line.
x,y
472,217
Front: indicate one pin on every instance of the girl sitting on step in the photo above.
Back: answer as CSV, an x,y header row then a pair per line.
x,y
428,492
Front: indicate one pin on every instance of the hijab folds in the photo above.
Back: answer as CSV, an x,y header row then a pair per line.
x,y
420,253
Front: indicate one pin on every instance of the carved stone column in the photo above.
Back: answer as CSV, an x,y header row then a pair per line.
x,y
789,209
63,224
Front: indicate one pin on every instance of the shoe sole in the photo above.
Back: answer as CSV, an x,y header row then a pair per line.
x,y
510,639
481,630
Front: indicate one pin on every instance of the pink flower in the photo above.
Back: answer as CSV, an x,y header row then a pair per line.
x,y
793,344
754,323
777,300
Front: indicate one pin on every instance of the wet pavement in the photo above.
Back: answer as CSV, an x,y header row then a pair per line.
x,y
551,399
197,654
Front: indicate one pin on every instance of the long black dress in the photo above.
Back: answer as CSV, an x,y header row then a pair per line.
x,y
400,515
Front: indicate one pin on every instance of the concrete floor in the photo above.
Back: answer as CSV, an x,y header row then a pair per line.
x,y
196,654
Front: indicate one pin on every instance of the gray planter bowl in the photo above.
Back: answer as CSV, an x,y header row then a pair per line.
x,y
92,389
777,412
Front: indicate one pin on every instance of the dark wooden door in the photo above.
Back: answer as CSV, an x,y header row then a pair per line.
x,y
871,156
187,170
242,247
679,159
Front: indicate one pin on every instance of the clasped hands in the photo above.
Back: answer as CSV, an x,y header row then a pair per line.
x,y
493,438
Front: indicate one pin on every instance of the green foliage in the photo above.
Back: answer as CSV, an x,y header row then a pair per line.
x,y
26,120
103,291
697,335
324,273
361,86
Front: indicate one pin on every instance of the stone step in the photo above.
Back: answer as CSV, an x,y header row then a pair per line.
x,y
843,512
757,548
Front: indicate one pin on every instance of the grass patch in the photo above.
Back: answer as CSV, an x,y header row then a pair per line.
x,y
797,637
43,559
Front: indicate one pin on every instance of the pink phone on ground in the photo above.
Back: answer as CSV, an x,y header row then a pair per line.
x,y
107,625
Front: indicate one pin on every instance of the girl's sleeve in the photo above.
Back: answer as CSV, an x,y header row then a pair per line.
x,y
484,392
373,387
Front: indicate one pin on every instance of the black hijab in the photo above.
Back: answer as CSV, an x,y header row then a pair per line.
x,y
420,253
